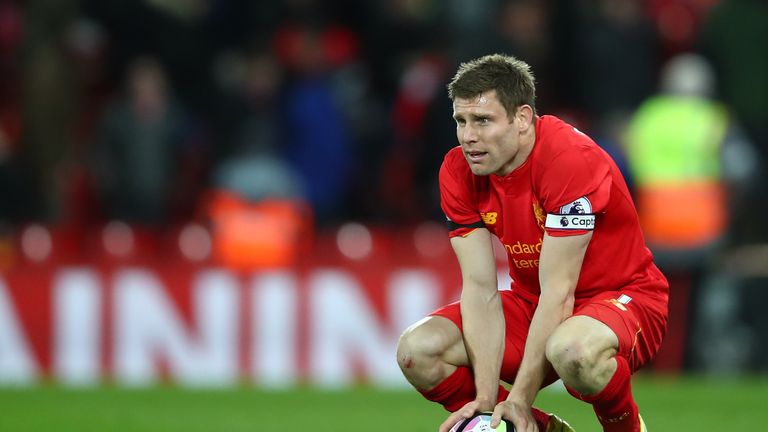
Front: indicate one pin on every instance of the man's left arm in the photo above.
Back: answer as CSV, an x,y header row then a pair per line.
x,y
559,268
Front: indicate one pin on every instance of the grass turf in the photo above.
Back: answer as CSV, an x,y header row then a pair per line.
x,y
667,404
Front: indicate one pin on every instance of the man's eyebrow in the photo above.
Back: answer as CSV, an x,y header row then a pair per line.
x,y
474,115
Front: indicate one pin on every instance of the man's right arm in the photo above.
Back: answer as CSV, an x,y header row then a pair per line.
x,y
481,311
482,320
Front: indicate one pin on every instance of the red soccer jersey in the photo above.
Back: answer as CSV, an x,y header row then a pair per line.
x,y
567,186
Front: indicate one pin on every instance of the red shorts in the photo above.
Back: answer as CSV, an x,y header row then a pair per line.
x,y
638,319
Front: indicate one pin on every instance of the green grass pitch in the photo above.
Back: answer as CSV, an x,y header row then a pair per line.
x,y
668,405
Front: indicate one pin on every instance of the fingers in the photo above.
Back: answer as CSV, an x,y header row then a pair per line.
x,y
448,423
452,420
496,417
522,422
464,412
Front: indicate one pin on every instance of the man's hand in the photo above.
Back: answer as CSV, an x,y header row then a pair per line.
x,y
465,412
516,412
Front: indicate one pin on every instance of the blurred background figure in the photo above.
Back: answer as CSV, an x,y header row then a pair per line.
x,y
317,141
141,149
47,98
612,55
688,157
15,205
306,135
735,39
248,156
417,147
690,165
524,29
255,202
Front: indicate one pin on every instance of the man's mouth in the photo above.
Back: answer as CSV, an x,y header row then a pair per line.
x,y
476,156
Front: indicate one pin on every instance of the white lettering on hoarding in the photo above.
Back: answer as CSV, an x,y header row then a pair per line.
x,y
412,295
274,300
346,332
148,328
77,308
332,336
17,365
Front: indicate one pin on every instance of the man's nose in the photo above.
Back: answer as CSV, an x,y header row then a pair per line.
x,y
469,134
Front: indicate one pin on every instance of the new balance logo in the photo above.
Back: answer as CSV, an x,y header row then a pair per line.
x,y
489,218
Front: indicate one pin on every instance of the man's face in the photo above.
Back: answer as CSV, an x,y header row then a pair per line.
x,y
489,137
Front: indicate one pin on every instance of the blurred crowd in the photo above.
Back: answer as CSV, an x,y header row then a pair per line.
x,y
247,127
146,111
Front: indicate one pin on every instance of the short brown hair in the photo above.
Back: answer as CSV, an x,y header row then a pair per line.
x,y
510,77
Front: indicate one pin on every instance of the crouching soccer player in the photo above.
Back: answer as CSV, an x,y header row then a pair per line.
x,y
587,304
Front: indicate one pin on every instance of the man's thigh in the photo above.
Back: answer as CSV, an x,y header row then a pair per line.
x,y
638,321
517,315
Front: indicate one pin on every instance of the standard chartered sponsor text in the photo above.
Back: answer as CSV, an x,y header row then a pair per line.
x,y
521,248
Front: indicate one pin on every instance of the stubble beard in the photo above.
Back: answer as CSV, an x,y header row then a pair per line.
x,y
480,170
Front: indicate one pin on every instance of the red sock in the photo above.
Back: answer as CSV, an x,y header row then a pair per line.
x,y
615,408
457,390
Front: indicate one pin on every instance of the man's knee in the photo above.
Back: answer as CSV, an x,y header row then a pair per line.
x,y
570,357
426,351
419,345
581,355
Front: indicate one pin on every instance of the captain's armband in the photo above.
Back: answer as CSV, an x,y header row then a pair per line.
x,y
570,222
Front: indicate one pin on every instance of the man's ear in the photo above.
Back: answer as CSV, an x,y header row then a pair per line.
x,y
524,115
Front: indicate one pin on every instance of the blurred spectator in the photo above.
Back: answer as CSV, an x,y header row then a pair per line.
x,y
689,162
735,38
678,22
613,55
250,163
413,160
317,136
342,100
523,30
13,189
399,29
49,100
255,204
686,155
406,44
247,112
141,148
86,48
464,19
609,135
10,40
175,33
15,203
